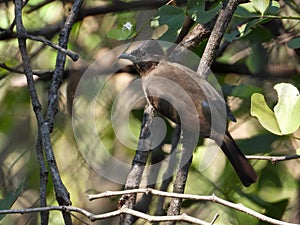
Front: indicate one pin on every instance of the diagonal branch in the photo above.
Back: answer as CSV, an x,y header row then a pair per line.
x,y
71,54
215,38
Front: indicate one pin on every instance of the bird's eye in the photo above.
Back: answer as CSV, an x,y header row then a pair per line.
x,y
143,53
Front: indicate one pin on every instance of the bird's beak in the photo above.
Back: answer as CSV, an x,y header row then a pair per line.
x,y
128,56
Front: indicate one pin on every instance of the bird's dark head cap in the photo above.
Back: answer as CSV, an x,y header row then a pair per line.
x,y
147,51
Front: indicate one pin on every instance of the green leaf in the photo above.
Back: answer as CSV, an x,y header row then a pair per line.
x,y
171,16
250,9
287,110
244,29
247,16
260,34
8,201
263,113
244,91
262,143
275,210
274,8
258,59
286,116
261,5
294,43
125,29
196,9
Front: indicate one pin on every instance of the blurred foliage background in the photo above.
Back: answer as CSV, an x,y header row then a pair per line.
x,y
261,53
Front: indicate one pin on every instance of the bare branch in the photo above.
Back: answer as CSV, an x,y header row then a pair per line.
x,y
34,72
71,54
45,125
214,219
181,177
168,174
38,6
93,217
274,159
117,6
211,198
138,164
215,38
43,179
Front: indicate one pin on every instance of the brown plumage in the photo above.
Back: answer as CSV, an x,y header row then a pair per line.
x,y
183,96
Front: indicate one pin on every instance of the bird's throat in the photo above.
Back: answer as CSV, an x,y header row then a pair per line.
x,y
143,67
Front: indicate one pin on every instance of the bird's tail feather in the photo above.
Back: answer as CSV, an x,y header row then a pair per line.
x,y
239,162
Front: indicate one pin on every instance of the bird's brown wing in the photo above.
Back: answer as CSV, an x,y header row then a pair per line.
x,y
191,95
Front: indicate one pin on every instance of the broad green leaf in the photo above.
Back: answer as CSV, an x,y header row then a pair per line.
x,y
263,113
125,29
196,9
9,200
261,5
294,43
286,116
287,110
171,16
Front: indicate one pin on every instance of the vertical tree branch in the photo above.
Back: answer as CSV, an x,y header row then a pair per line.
x,y
138,165
157,156
45,125
168,174
181,176
43,179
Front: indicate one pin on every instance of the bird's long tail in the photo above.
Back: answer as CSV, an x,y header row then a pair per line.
x,y
239,162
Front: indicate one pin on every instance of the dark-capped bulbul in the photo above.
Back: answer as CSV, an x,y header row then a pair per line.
x,y
184,97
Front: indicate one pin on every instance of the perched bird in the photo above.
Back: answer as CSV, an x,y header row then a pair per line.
x,y
181,95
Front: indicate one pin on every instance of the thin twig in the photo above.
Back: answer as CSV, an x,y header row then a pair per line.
x,y
38,6
187,24
38,73
214,219
273,159
71,54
